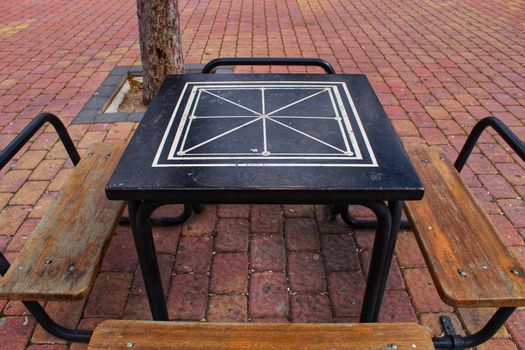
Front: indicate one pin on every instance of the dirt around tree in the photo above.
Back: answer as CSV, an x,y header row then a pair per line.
x,y
132,101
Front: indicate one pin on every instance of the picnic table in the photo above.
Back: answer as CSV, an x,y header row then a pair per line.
x,y
266,138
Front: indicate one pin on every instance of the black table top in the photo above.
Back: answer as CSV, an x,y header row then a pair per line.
x,y
265,138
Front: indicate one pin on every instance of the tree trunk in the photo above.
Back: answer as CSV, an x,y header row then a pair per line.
x,y
160,45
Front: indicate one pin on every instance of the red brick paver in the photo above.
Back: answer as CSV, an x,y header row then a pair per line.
x,y
437,67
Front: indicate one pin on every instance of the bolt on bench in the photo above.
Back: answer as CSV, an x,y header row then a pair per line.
x,y
61,259
467,259
155,335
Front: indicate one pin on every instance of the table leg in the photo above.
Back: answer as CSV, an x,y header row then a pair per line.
x,y
396,209
140,215
372,298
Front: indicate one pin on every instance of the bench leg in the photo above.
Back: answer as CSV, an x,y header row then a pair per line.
x,y
53,328
457,342
42,317
372,298
140,214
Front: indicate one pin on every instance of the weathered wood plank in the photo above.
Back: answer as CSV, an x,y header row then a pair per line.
x,y
64,253
144,335
467,259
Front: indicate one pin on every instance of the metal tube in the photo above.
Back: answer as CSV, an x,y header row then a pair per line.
x,y
4,264
140,214
396,209
511,138
267,61
21,139
53,328
347,217
491,327
372,299
166,221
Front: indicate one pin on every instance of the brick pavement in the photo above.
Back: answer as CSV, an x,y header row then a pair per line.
x,y
437,68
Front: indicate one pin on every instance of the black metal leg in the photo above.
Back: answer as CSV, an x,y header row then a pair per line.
x,y
197,208
169,221
347,217
372,299
452,341
54,328
334,210
395,208
140,214
43,318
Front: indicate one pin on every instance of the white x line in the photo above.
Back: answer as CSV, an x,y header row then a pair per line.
x,y
221,135
305,134
296,102
233,103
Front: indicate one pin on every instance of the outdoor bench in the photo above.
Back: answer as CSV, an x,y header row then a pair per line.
x,y
155,335
62,257
468,261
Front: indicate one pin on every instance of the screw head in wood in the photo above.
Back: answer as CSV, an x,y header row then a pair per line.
x,y
392,346
129,344
484,266
462,273
515,271
48,261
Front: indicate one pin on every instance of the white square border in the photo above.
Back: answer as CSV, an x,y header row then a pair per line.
x,y
311,84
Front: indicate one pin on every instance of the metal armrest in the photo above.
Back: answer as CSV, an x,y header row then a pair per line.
x,y
503,130
267,61
21,139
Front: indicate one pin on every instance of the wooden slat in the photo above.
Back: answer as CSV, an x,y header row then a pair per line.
x,y
144,335
64,253
455,235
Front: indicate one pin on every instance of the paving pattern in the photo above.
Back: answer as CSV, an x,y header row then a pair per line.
x,y
437,66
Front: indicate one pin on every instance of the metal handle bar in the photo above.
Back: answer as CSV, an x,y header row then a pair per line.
x,y
267,61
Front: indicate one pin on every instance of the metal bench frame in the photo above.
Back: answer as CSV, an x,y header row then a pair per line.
x,y
6,155
451,340
38,312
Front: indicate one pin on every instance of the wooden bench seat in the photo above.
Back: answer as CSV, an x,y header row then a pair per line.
x,y
467,259
62,257
144,335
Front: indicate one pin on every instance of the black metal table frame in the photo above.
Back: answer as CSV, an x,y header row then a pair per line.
x,y
388,219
